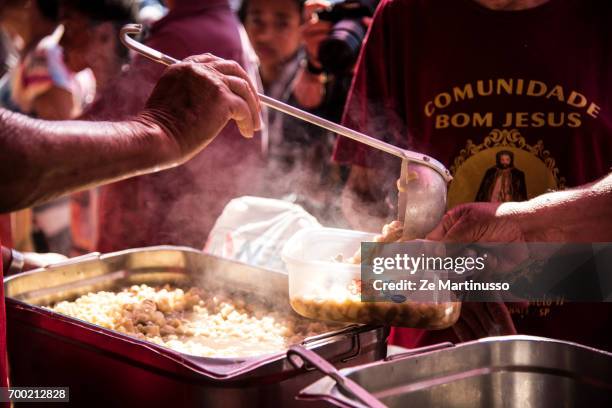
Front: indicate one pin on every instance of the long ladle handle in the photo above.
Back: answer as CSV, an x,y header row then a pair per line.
x,y
403,154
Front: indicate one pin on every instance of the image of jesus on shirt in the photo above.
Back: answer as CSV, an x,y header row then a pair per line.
x,y
502,182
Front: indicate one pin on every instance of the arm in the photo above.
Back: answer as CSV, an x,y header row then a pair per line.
x,y
580,215
583,214
41,160
190,105
309,88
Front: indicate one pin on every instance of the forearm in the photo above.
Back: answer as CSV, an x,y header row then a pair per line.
x,y
40,160
583,214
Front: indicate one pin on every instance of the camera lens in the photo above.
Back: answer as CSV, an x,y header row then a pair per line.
x,y
339,51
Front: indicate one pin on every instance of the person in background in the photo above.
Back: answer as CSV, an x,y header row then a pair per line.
x,y
286,36
428,79
40,85
273,28
188,108
180,206
91,41
91,37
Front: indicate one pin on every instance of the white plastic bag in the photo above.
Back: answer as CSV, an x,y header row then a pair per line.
x,y
254,230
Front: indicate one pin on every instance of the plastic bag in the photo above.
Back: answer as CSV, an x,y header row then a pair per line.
x,y
254,230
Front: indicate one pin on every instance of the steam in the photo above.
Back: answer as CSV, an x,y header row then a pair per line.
x,y
380,120
299,169
177,206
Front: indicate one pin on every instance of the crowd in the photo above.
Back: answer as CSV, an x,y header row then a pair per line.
x,y
514,103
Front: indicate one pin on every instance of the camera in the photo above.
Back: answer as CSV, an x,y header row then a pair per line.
x,y
339,51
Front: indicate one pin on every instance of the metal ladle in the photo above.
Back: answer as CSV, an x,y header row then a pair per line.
x,y
422,178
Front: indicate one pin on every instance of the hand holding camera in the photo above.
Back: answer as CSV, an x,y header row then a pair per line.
x,y
314,31
334,31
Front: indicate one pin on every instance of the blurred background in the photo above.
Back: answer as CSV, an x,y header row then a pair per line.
x,y
62,59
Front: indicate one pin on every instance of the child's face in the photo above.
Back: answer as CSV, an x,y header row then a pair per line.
x,y
85,43
273,27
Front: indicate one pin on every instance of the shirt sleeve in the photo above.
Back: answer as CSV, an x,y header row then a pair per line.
x,y
373,101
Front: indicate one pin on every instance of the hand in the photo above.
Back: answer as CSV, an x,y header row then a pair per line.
x,y
477,222
195,99
33,260
484,223
314,31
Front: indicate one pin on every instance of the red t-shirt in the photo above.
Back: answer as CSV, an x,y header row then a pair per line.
x,y
475,88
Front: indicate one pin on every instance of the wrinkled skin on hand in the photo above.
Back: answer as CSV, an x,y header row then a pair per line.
x,y
482,223
195,99
477,222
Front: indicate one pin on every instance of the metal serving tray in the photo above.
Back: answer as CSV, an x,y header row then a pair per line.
x,y
106,368
509,371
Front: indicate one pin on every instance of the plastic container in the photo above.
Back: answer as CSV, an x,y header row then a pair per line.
x,y
323,288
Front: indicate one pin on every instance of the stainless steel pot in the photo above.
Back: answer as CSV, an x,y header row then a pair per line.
x,y
510,371
106,368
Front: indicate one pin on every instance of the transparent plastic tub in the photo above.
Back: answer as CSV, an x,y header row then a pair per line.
x,y
322,287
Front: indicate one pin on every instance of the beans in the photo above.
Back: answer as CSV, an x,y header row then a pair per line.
x,y
217,325
351,309
343,302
